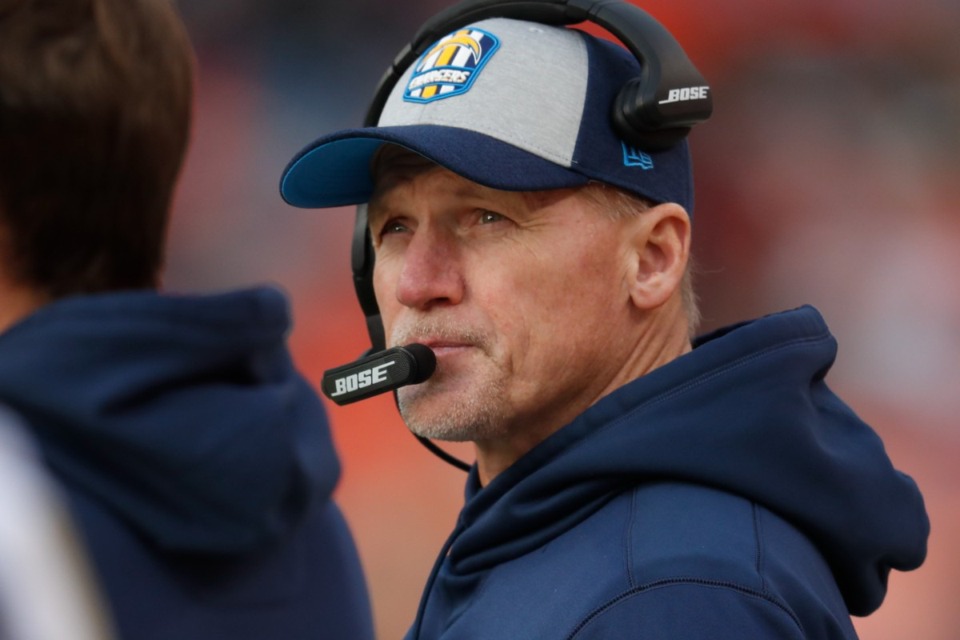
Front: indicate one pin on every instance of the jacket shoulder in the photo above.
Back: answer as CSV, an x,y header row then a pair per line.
x,y
692,609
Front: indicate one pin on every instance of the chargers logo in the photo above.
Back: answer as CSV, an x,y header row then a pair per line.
x,y
450,67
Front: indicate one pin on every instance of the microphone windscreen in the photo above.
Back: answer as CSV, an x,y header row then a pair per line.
x,y
426,361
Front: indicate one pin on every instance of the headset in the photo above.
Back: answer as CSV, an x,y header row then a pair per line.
x,y
642,113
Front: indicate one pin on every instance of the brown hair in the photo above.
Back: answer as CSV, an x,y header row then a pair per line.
x,y
95,111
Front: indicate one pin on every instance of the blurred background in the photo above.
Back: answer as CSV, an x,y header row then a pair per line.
x,y
829,175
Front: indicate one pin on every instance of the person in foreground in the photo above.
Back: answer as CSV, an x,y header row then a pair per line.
x,y
196,462
629,482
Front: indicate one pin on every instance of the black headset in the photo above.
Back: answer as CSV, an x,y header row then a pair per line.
x,y
643,113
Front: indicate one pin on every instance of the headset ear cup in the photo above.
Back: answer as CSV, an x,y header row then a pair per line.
x,y
638,120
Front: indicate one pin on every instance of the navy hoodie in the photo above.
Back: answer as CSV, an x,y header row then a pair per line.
x,y
197,462
727,495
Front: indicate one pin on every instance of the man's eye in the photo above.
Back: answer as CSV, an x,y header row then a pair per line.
x,y
393,226
489,217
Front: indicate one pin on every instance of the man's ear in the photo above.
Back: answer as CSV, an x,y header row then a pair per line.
x,y
660,251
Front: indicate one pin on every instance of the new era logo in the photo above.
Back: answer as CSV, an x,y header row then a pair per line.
x,y
633,157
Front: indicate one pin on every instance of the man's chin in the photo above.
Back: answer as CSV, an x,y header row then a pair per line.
x,y
455,408
443,416
426,413
438,394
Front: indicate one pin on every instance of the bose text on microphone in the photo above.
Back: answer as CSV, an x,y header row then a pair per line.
x,y
383,371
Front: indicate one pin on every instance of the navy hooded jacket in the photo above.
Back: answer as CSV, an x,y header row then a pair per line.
x,y
197,462
727,495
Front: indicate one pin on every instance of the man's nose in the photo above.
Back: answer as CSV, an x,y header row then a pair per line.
x,y
431,274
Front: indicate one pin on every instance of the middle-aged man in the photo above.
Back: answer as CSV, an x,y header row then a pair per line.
x,y
629,482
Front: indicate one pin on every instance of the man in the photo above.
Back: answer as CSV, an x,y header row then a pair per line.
x,y
196,461
629,482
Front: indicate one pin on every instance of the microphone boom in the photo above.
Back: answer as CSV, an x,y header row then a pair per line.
x,y
378,373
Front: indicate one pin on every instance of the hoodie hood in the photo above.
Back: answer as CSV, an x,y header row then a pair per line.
x,y
748,412
182,414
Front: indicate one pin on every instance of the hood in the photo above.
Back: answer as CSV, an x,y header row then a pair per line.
x,y
747,411
182,414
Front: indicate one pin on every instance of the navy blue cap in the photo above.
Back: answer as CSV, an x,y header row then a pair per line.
x,y
511,105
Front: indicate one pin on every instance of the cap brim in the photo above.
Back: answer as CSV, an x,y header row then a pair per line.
x,y
335,170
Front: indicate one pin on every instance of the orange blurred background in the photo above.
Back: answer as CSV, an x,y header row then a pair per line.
x,y
828,175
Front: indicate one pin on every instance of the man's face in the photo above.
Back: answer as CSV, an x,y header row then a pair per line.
x,y
523,298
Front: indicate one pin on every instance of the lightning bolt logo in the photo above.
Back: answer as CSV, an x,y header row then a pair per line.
x,y
450,66
449,47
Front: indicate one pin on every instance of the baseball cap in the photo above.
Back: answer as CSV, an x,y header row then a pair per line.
x,y
509,104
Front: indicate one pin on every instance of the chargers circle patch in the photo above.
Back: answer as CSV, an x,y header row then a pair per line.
x,y
451,65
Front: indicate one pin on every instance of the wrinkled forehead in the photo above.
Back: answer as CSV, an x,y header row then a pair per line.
x,y
392,159
394,166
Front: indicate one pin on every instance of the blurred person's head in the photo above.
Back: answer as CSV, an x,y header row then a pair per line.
x,y
95,111
543,258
